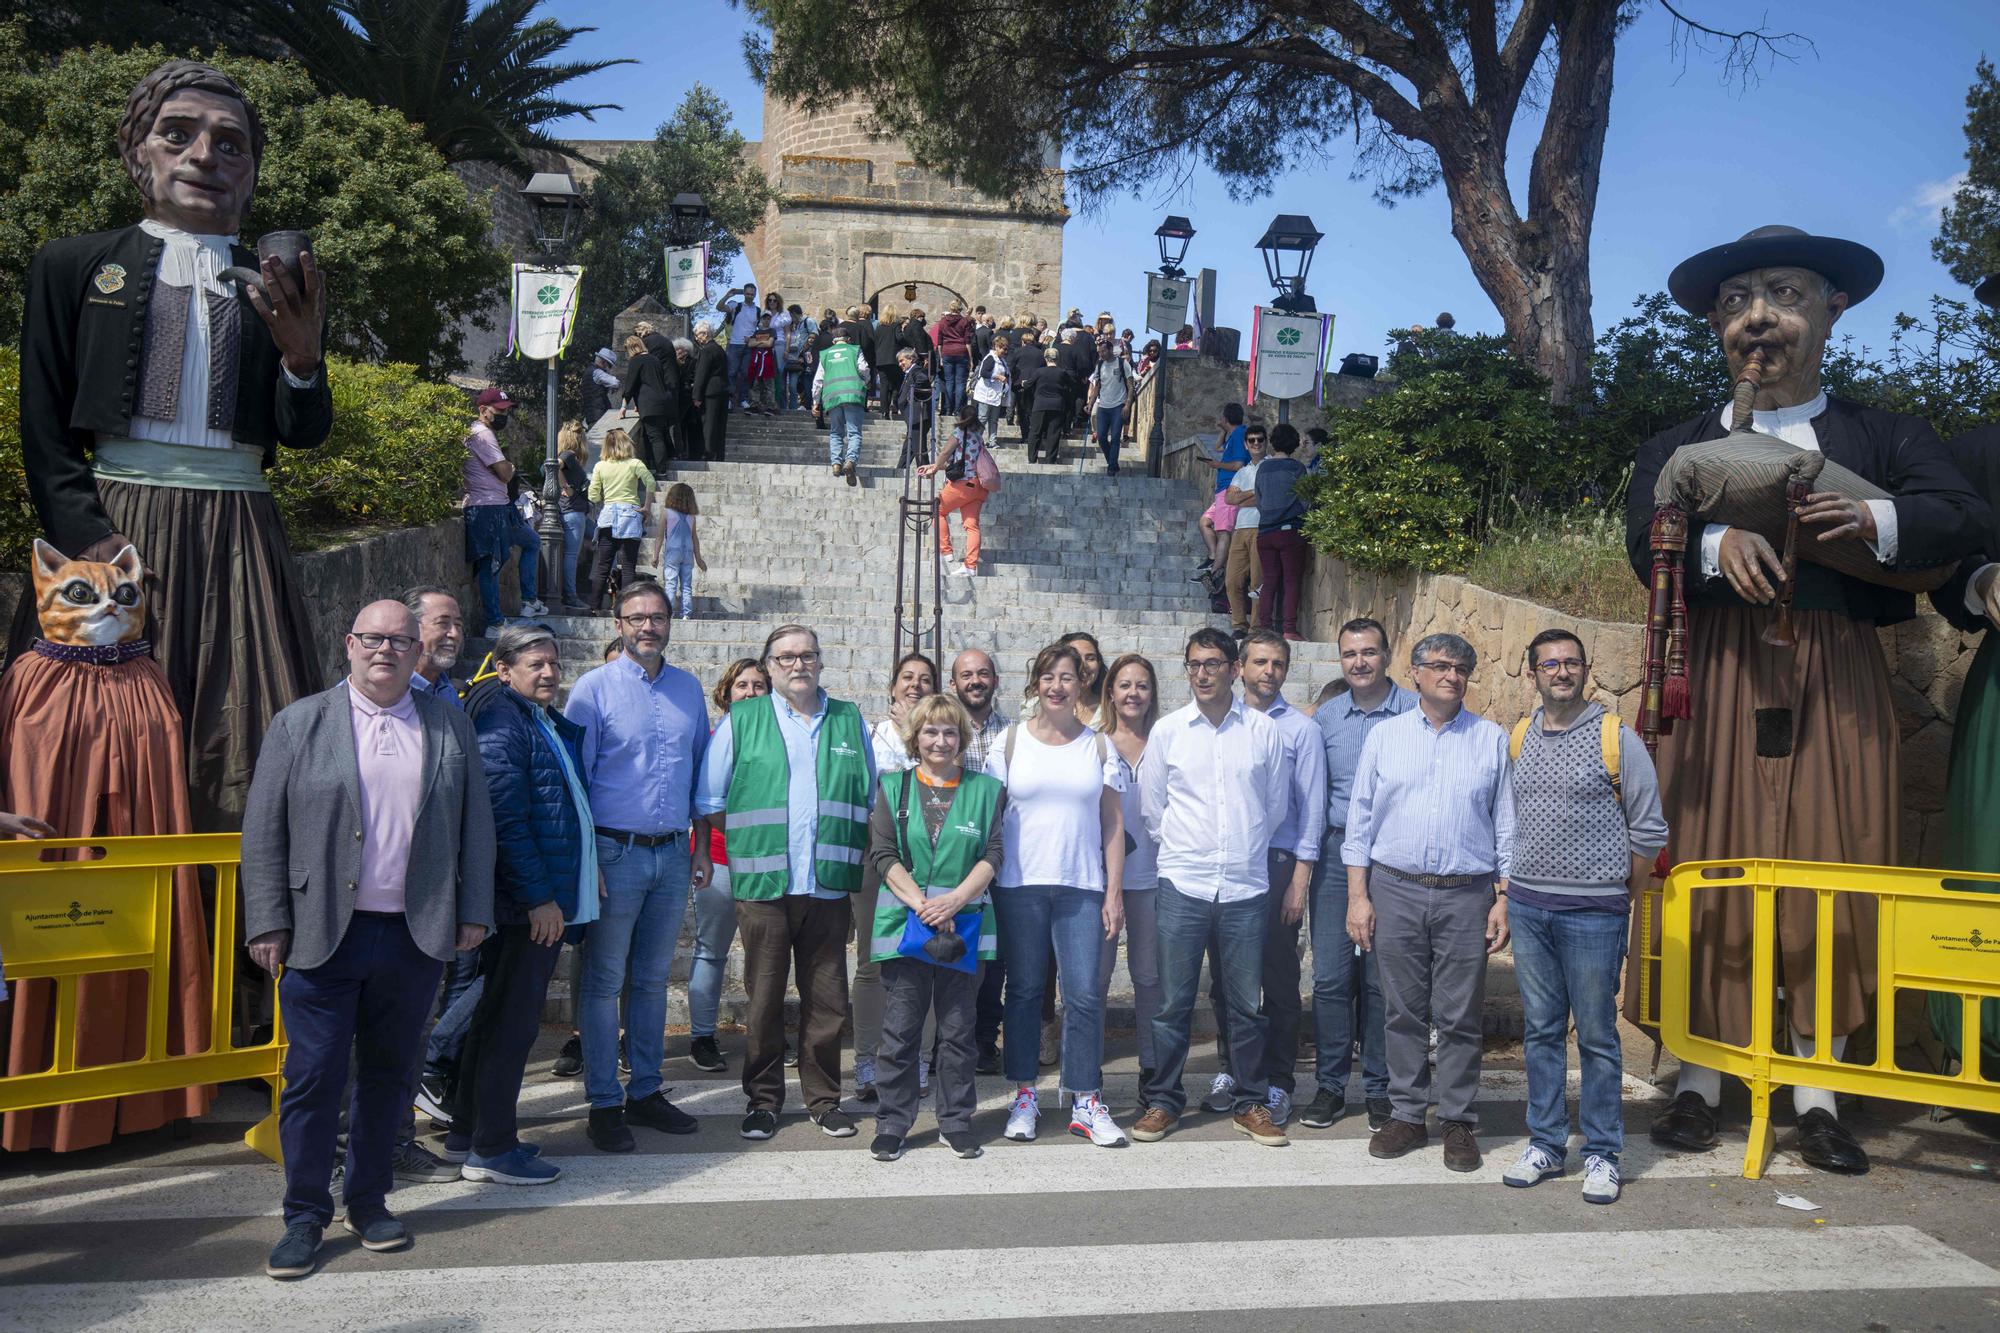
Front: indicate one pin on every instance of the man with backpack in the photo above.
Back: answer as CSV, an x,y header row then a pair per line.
x,y
1110,386
1587,822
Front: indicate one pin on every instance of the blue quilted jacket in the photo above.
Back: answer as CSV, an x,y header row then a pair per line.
x,y
534,818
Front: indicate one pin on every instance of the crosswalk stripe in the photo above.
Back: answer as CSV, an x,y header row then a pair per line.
x,y
928,1286
765,1175
550,1099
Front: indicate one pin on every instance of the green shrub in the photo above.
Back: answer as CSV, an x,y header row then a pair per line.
x,y
18,528
1574,562
393,460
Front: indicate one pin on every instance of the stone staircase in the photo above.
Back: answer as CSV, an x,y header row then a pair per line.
x,y
1066,547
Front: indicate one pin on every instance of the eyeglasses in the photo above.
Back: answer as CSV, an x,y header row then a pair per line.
x,y
1553,665
1445,668
789,660
1208,666
654,618
402,643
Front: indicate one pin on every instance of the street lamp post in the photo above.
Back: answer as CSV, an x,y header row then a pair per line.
x,y
1173,236
1288,245
556,205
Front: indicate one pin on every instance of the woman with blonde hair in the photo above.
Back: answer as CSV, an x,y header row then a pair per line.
x,y
1126,716
572,485
934,846
622,487
881,352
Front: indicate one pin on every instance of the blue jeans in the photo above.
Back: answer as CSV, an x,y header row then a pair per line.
x,y
739,375
637,927
372,995
714,927
951,384
1110,424
677,576
787,384
576,526
1569,963
843,432
1032,918
492,533
1347,991
1186,927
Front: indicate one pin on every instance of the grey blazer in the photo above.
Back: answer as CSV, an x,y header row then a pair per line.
x,y
302,831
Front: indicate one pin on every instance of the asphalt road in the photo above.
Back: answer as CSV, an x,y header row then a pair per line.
x,y
1205,1229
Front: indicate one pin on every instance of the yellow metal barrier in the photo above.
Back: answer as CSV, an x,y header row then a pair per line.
x,y
1928,938
68,919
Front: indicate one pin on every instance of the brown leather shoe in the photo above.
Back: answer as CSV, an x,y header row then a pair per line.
x,y
1155,1125
1396,1138
1461,1150
1256,1122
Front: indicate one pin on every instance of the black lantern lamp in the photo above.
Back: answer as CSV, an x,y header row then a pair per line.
x,y
1287,246
1173,236
557,204
689,211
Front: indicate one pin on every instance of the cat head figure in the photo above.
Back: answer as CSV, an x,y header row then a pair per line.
x,y
84,602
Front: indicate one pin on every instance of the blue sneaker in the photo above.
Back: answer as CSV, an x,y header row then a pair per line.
x,y
510,1168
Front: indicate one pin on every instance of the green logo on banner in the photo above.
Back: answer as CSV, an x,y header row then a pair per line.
x,y
1169,294
549,295
686,264
1286,337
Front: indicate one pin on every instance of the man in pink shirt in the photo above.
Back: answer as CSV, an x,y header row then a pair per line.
x,y
493,528
368,852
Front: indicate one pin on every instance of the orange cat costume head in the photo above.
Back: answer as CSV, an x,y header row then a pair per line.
x,y
90,612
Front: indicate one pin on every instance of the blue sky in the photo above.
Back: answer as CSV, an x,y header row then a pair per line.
x,y
1858,137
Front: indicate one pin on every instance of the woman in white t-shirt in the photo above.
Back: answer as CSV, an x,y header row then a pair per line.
x,y
1061,886
915,678
1131,707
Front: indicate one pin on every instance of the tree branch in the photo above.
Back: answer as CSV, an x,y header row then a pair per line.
x,y
1742,51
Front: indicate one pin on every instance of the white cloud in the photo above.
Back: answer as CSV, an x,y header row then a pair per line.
x,y
1926,202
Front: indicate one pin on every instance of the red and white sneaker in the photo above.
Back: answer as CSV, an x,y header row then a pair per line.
x,y
1021,1119
1090,1118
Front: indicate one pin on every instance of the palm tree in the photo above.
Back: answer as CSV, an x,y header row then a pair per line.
x,y
480,85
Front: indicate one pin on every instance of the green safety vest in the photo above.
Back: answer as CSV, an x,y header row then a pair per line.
x,y
757,810
840,371
960,844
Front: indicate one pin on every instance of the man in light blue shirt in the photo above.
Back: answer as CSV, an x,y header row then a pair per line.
x,y
801,918
1295,847
1430,834
645,731
1347,987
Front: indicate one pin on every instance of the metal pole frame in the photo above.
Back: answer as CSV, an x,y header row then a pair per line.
x,y
917,511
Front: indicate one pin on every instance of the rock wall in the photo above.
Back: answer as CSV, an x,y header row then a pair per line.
x,y
1927,664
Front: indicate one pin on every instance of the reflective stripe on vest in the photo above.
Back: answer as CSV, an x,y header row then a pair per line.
x,y
757,813
841,381
941,869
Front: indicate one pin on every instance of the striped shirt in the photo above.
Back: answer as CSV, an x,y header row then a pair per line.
x,y
1432,800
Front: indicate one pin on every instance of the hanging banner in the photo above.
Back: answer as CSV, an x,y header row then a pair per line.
x,y
1288,354
542,314
1166,304
687,276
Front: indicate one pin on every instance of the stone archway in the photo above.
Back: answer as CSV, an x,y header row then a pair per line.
x,y
938,279
932,298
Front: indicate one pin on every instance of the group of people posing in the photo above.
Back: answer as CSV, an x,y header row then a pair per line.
x,y
973,857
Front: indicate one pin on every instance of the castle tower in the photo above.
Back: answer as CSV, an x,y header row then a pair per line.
x,y
857,220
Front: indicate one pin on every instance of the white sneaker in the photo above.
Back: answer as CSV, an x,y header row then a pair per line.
x,y
1279,1103
1090,1118
1221,1095
961,572
1021,1119
1536,1165
864,1071
534,609
1600,1180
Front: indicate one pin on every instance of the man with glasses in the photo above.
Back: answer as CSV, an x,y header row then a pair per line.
x,y
368,848
1347,987
1430,836
792,776
1243,571
1587,821
645,731
1212,792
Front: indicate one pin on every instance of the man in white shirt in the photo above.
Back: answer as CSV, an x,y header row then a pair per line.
x,y
1212,793
738,306
1244,571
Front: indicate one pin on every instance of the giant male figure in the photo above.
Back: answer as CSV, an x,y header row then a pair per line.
x,y
154,394
1791,752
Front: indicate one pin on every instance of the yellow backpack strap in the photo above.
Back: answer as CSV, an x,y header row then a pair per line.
x,y
1611,738
485,672
1518,737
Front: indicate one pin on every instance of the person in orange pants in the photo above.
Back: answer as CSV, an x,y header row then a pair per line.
x,y
962,494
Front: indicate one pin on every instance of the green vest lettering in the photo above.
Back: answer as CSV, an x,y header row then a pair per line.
x,y
840,372
940,869
757,809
